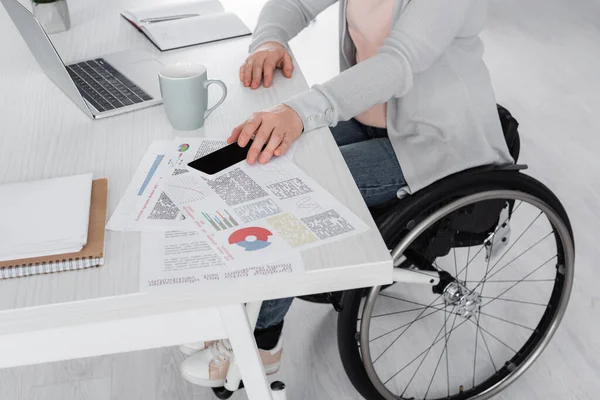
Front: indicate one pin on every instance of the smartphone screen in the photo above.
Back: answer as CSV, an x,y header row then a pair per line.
x,y
221,159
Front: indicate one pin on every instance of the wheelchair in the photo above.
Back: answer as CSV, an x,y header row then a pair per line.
x,y
483,270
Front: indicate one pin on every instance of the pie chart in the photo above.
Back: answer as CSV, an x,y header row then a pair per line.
x,y
251,239
184,147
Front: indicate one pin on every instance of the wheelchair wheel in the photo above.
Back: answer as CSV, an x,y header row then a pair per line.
x,y
494,310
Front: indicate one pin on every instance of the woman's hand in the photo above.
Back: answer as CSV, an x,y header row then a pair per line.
x,y
259,65
278,126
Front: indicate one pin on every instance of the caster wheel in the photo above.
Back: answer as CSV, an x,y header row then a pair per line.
x,y
222,393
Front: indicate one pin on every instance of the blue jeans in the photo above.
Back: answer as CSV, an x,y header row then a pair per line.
x,y
376,171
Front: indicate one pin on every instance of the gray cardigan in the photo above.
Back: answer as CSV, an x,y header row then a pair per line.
x,y
441,110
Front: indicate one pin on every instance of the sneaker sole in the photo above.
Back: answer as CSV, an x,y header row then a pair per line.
x,y
269,370
202,382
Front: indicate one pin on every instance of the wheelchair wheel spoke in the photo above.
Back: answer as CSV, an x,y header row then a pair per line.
x,y
409,301
487,269
455,265
423,352
475,352
483,245
426,354
440,358
512,301
468,262
493,336
514,280
507,321
444,351
405,311
516,283
407,327
514,243
420,317
488,351
517,257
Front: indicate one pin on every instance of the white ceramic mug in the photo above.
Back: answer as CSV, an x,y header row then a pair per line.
x,y
184,88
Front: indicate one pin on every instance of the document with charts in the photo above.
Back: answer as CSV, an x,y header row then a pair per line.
x,y
154,210
260,213
145,206
176,259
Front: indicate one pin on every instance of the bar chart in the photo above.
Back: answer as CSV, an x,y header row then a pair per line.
x,y
221,221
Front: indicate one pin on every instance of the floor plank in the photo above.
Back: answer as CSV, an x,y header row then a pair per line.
x,y
85,389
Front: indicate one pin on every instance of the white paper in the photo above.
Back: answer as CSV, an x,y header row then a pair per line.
x,y
40,250
44,217
260,213
195,30
184,259
144,206
155,210
177,8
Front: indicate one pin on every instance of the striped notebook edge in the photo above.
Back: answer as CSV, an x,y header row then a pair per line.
x,y
19,271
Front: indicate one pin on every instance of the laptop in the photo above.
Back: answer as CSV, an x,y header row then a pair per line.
x,y
101,87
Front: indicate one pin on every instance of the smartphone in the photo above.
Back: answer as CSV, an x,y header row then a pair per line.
x,y
221,159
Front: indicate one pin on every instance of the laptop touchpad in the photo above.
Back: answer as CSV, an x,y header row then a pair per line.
x,y
144,74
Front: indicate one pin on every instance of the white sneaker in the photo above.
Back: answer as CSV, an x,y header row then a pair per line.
x,y
209,367
193,348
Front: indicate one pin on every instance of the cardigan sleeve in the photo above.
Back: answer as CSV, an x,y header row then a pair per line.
x,y
282,20
423,32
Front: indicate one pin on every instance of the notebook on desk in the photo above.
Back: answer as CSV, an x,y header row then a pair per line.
x,y
91,255
185,24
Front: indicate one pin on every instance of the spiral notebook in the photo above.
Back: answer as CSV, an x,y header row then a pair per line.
x,y
92,254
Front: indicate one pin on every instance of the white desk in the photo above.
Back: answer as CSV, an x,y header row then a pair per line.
x,y
101,311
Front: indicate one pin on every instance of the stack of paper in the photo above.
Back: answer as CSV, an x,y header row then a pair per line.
x,y
246,222
247,215
43,218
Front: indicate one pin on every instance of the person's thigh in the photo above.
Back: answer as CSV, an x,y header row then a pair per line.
x,y
348,132
375,133
375,169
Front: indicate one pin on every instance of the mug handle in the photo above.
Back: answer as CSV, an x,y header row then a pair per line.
x,y
223,87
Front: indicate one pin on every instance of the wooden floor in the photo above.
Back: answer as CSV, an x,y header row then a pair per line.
x,y
544,56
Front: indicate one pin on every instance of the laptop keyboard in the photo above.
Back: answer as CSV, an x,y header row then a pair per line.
x,y
104,87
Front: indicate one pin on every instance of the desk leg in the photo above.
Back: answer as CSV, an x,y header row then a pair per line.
x,y
247,358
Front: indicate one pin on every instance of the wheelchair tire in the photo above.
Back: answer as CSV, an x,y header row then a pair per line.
x,y
393,224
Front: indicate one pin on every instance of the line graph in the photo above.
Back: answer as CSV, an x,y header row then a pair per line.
x,y
309,205
185,189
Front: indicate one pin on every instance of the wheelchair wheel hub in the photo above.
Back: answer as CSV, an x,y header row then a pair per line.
x,y
467,303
